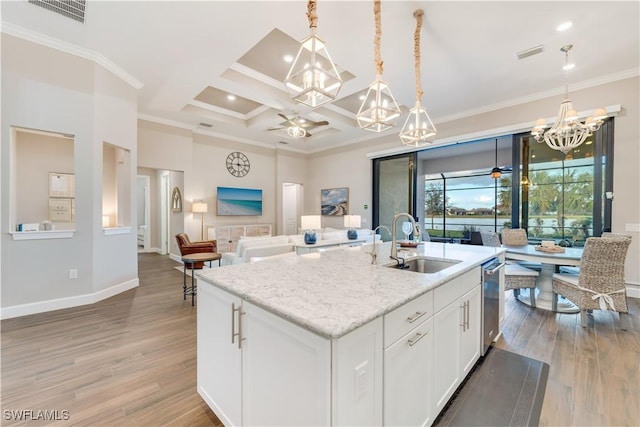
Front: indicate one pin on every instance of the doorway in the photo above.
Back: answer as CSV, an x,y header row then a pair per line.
x,y
143,200
291,207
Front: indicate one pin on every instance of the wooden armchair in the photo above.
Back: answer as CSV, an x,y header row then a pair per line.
x,y
187,247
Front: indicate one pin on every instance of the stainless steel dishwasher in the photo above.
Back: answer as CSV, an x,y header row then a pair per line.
x,y
491,274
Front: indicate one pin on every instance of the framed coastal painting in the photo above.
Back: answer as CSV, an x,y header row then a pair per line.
x,y
334,201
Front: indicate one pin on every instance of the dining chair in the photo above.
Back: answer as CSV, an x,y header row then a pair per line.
x,y
516,276
576,270
514,237
518,237
600,284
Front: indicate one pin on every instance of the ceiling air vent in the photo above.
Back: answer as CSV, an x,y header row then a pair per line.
x,y
73,9
530,52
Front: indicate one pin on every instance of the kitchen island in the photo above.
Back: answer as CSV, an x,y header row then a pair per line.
x,y
331,339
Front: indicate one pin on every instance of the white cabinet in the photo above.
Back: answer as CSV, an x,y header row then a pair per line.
x,y
273,373
227,236
219,360
408,378
457,334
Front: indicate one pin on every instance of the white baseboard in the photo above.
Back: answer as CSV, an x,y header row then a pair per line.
x,y
68,302
633,290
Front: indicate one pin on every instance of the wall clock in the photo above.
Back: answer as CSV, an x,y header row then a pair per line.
x,y
238,164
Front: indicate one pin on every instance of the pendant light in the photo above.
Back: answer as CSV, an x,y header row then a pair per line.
x,y
379,110
313,79
418,129
568,132
496,172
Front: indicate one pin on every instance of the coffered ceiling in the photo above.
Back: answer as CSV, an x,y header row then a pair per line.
x,y
217,67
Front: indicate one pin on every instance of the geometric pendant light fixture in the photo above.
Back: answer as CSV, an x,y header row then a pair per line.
x,y
568,132
418,129
379,110
313,79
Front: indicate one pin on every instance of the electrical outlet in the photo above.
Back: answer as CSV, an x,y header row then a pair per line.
x,y
632,227
73,273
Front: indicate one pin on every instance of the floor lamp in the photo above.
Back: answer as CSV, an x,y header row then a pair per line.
x,y
201,208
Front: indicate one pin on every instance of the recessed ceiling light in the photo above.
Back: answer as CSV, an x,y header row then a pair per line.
x,y
569,67
231,97
564,26
288,58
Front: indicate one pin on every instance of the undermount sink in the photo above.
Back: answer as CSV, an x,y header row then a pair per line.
x,y
425,265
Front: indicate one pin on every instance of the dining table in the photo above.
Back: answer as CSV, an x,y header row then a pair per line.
x,y
550,262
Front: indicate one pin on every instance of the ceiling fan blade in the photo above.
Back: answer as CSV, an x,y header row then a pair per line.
x,y
276,128
320,123
288,120
307,134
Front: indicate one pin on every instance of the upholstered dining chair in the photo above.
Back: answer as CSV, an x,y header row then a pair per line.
x,y
576,270
600,283
187,247
516,276
514,237
518,237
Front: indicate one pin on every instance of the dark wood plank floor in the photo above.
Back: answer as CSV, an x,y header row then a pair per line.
x,y
131,360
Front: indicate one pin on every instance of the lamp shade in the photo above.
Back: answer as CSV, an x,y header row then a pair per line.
x,y
352,221
199,207
310,222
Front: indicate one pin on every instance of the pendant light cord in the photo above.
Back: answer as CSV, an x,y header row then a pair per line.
x,y
416,51
376,40
311,14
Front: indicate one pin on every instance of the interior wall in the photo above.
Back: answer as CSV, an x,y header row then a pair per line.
x,y
43,88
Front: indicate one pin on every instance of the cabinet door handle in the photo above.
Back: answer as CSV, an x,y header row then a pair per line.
x,y
468,312
413,341
233,322
464,316
235,334
240,337
416,316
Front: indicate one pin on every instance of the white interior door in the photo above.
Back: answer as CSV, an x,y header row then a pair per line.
x,y
291,207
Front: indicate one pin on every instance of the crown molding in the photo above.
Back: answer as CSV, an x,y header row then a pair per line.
x,y
586,84
98,58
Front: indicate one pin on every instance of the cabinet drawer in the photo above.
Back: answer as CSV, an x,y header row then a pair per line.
x,y
406,317
449,292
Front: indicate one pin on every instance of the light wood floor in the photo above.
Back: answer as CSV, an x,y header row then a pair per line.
x,y
594,372
131,360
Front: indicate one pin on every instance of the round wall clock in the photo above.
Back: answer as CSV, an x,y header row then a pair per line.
x,y
238,164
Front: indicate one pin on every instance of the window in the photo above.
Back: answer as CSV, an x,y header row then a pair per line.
x,y
458,203
563,196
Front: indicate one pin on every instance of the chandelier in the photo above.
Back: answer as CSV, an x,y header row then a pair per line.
x,y
418,129
568,132
313,79
379,110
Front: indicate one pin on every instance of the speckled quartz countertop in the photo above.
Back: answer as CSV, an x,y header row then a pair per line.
x,y
334,292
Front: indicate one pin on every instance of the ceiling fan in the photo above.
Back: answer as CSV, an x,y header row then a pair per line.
x,y
298,127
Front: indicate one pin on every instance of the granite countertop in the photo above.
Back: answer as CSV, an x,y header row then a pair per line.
x,y
334,292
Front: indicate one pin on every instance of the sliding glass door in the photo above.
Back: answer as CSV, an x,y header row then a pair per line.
x,y
393,189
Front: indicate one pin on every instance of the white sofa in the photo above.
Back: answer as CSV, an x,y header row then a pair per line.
x,y
267,246
249,247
